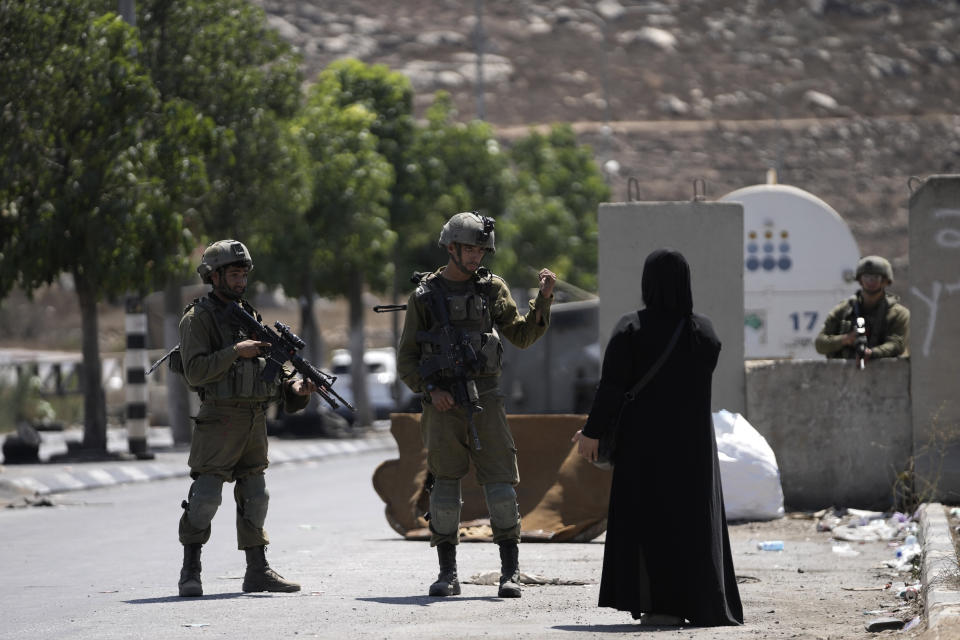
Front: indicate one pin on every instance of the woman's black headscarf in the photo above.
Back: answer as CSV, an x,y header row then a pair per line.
x,y
665,285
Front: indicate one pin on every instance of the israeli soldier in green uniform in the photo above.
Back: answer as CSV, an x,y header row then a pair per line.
x,y
887,322
230,438
463,415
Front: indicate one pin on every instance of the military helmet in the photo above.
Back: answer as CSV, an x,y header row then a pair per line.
x,y
223,253
875,264
468,227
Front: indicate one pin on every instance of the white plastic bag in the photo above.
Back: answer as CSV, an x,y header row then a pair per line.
x,y
748,470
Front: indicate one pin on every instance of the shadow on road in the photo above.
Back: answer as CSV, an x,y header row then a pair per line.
x,y
424,601
608,628
204,598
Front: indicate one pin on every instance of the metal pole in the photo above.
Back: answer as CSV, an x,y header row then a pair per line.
x,y
395,328
604,148
605,77
478,37
128,11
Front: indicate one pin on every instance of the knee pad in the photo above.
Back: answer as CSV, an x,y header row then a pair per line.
x,y
252,498
502,504
445,506
204,500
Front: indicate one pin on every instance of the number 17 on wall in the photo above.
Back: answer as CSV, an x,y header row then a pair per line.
x,y
809,318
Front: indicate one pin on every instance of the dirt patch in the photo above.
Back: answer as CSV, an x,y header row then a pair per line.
x,y
809,590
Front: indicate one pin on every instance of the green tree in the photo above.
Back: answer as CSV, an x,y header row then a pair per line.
x,y
452,167
537,231
284,243
230,83
221,58
77,166
552,216
342,239
389,96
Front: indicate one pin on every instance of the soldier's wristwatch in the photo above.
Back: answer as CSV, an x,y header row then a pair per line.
x,y
430,387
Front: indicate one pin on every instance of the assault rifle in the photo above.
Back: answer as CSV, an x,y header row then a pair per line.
x,y
860,343
454,354
284,345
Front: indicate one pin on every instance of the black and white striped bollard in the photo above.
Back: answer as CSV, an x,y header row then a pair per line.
x,y
135,366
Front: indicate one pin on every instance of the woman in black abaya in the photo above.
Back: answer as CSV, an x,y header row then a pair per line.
x,y
667,555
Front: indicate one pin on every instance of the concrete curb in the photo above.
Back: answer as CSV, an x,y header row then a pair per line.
x,y
59,478
940,571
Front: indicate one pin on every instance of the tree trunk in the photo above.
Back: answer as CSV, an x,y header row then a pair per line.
x,y
358,369
395,326
94,401
310,333
178,398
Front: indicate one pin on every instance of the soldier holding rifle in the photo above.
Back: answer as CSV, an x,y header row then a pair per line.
x,y
450,351
871,323
224,362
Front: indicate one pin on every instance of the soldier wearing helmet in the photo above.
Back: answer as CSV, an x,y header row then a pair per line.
x,y
478,306
886,322
229,441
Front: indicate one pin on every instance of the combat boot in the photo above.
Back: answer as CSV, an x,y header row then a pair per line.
x,y
509,570
260,577
190,584
447,583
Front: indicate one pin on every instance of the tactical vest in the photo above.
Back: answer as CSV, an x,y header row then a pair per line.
x,y
876,319
244,377
470,312
876,323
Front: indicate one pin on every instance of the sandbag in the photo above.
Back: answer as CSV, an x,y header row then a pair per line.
x,y
562,497
748,470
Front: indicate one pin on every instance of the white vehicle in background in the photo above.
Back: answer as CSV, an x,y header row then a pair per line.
x,y
381,366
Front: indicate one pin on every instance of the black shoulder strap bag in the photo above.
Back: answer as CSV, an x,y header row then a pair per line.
x,y
608,441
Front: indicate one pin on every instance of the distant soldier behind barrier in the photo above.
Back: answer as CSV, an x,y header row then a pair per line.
x,y
450,351
229,443
871,323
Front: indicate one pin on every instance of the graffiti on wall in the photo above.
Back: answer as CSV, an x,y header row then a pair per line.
x,y
946,237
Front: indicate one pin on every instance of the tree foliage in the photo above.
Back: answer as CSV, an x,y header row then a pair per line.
x,y
452,167
77,168
113,147
220,60
551,219
388,96
348,212
350,183
121,146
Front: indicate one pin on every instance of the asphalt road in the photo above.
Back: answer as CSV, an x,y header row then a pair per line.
x,y
104,564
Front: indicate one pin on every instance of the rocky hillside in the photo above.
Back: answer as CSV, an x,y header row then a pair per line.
x,y
847,98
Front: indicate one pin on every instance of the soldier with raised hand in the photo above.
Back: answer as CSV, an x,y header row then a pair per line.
x,y
450,352
229,443
887,322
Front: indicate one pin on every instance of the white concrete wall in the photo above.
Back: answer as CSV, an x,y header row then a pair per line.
x,y
710,236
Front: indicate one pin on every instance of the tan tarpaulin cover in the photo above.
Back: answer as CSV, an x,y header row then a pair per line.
x,y
562,497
